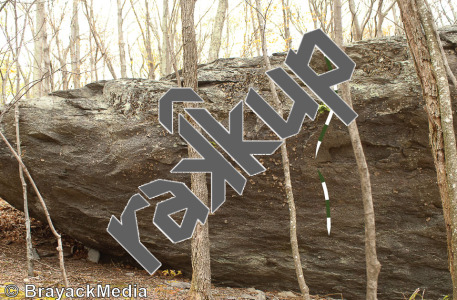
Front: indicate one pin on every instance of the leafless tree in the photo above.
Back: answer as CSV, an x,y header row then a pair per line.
x,y
93,52
285,163
98,40
322,13
255,29
430,67
372,264
445,11
165,61
55,23
358,27
381,15
298,20
18,46
38,68
48,81
286,20
150,59
200,288
75,46
120,33
397,21
146,34
218,26
228,48
4,4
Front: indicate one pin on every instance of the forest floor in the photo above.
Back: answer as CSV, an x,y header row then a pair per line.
x,y
164,284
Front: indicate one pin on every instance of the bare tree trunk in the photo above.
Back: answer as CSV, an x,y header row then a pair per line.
x,y
447,123
379,18
227,44
26,78
93,53
454,12
286,20
172,55
440,15
120,33
75,47
398,29
381,15
286,166
218,26
139,22
61,55
321,10
129,52
5,80
165,57
313,14
4,4
443,54
170,41
359,28
246,41
372,264
47,82
77,40
173,24
92,59
150,62
38,48
200,288
430,67
255,29
28,236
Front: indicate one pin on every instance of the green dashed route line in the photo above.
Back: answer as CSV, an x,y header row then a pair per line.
x,y
324,129
330,115
327,201
319,142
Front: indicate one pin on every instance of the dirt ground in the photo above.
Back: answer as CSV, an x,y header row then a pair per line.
x,y
164,284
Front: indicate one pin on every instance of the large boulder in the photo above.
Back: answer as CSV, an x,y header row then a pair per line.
x,y
89,150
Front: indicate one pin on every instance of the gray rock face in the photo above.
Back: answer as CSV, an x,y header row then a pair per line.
x,y
90,149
